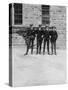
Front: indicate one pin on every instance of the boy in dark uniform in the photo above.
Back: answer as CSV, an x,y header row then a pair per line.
x,y
31,38
39,39
53,38
46,39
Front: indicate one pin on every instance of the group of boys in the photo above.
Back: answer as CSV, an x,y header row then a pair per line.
x,y
45,35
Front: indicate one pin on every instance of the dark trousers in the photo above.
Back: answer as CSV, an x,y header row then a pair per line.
x,y
30,45
39,46
44,45
53,47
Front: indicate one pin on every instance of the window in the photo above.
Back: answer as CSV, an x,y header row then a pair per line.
x,y
45,14
18,14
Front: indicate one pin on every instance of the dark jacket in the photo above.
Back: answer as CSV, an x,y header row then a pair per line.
x,y
39,34
31,33
53,36
46,35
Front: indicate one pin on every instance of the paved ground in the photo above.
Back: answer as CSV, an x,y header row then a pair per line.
x,y
38,69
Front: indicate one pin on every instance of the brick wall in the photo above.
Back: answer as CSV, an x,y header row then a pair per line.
x,y
31,14
58,19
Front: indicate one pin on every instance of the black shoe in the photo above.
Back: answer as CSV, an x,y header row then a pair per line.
x,y
25,54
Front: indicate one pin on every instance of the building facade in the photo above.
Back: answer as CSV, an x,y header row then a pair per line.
x,y
22,15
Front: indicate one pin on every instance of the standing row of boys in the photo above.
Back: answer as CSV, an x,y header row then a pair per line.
x,y
44,35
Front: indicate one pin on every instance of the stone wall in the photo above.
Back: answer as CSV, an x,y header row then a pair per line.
x,y
32,15
58,19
